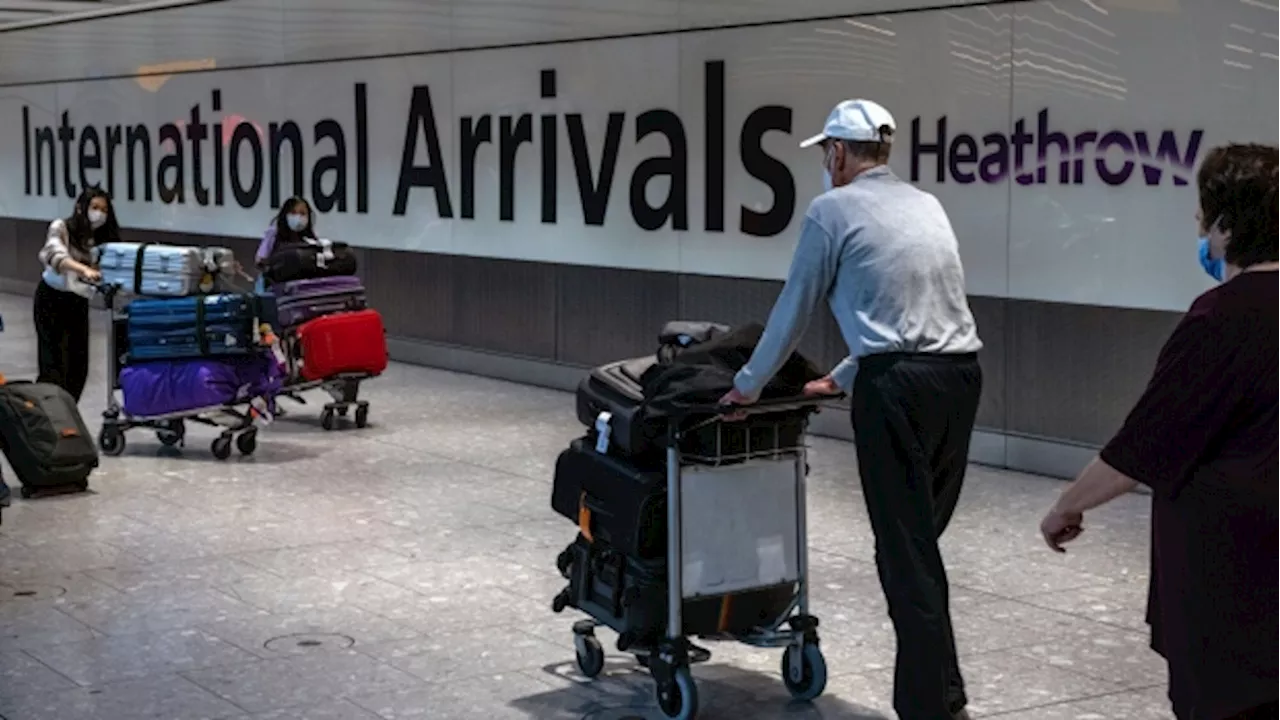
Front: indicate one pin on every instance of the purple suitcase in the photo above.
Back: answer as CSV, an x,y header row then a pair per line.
x,y
172,386
302,300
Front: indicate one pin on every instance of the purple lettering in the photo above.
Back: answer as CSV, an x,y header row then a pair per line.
x,y
1117,139
963,158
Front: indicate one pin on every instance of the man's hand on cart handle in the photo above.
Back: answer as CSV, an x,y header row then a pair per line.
x,y
733,399
825,387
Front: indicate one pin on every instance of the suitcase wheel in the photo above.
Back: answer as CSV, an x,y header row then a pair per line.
x,y
590,654
362,415
111,440
327,419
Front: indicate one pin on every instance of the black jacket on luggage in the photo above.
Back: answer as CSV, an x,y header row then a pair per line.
x,y
309,261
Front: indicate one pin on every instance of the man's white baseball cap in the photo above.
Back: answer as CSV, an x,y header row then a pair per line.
x,y
856,120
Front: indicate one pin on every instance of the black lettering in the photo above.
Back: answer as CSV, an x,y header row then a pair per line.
x,y
474,134
45,137
89,159
767,169
219,180
713,96
246,133
335,163
115,140
172,164
550,187
938,148
422,117
138,136
963,152
594,189
362,149
26,150
1082,145
995,164
197,132
511,135
278,135
674,166
66,134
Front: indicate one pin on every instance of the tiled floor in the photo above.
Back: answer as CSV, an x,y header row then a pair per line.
x,y
417,557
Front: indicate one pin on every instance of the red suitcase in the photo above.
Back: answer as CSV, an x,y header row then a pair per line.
x,y
346,342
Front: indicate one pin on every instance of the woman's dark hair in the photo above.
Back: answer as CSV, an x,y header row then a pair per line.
x,y
80,231
1238,189
283,231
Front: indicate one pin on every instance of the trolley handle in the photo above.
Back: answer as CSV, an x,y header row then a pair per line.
x,y
809,403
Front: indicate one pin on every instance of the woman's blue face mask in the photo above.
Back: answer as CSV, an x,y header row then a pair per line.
x,y
1215,267
297,222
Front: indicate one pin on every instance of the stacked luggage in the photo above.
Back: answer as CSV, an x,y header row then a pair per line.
x,y
331,339
640,564
184,345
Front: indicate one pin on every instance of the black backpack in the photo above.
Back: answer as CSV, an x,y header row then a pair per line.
x,y
45,438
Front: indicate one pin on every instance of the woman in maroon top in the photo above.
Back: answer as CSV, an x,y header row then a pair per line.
x,y
1203,437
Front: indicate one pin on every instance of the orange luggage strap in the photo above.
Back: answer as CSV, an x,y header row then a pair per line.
x,y
584,518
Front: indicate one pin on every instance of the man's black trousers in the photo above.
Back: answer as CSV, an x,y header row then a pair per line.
x,y
913,416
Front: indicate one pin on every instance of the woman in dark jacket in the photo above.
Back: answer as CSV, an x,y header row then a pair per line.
x,y
1203,437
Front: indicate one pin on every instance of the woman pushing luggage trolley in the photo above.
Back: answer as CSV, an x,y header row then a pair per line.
x,y
735,565
179,350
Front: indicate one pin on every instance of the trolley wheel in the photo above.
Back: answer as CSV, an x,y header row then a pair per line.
x,y
247,442
342,411
111,440
590,655
327,419
172,434
678,697
221,447
812,672
362,416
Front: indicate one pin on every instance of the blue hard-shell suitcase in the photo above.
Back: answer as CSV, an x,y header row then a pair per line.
x,y
200,326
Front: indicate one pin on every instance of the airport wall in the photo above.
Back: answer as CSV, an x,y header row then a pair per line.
x,y
536,186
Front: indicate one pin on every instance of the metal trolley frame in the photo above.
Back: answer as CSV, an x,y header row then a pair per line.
x,y
804,669
343,389
239,420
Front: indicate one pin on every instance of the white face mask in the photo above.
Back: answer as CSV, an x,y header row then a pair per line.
x,y
97,218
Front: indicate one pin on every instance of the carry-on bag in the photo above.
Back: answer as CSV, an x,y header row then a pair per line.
x,y
164,270
612,501
345,342
164,387
198,326
44,437
629,595
611,399
315,259
679,335
301,300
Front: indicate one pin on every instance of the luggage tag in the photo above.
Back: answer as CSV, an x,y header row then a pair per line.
x,y
603,431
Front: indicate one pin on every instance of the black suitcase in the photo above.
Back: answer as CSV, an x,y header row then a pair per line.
x,y
612,501
639,434
310,261
45,437
629,595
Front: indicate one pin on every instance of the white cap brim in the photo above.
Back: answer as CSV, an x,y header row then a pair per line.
x,y
813,140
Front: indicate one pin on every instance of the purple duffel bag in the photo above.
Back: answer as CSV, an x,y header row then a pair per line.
x,y
303,300
171,386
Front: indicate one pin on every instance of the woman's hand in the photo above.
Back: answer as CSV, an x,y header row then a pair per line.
x,y
1061,527
85,272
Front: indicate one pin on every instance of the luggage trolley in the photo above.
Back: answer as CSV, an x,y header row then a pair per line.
x,y
343,389
238,420
752,469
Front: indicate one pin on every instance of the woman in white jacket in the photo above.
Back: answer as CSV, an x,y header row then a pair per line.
x,y
61,313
